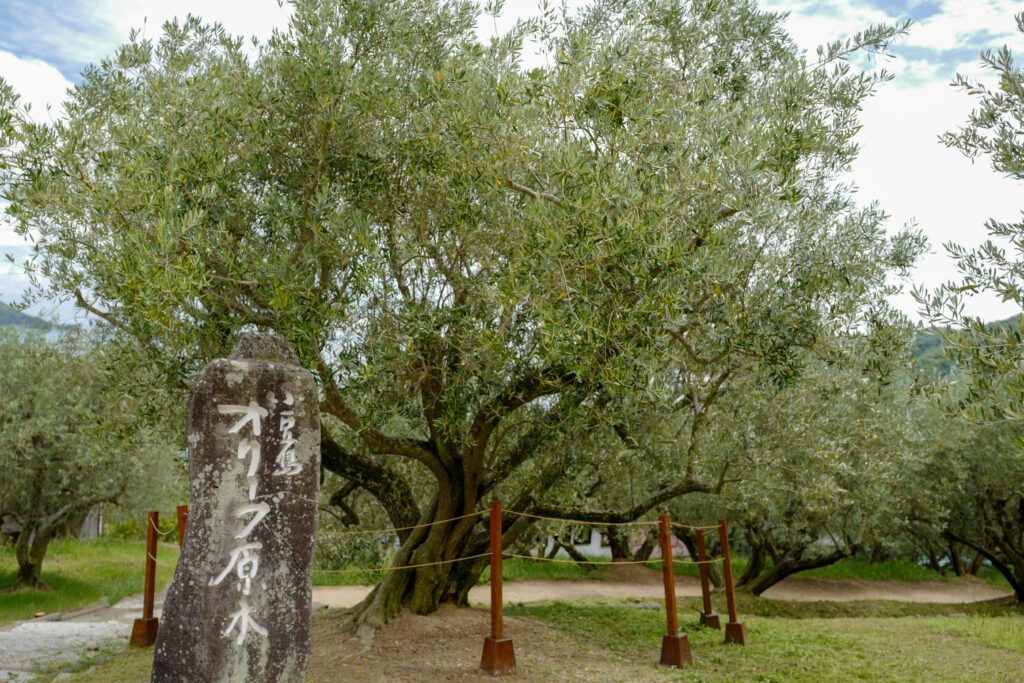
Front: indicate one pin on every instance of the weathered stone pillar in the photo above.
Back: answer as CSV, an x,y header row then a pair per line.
x,y
238,608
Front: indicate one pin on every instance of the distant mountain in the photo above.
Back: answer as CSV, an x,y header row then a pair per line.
x,y
10,316
928,347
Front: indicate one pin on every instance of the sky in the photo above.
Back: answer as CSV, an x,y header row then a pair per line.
x,y
45,44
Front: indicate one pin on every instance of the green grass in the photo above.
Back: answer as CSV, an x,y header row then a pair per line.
x,y
790,641
81,573
522,570
807,647
866,641
858,569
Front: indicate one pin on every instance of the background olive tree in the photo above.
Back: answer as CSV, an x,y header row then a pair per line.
x,y
70,440
990,509
479,260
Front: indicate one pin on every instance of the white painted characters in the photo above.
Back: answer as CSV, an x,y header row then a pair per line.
x,y
252,413
245,622
287,463
245,558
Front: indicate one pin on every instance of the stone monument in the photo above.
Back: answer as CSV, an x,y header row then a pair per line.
x,y
239,606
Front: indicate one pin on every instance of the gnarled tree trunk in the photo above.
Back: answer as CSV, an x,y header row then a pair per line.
x,y
789,555
30,550
997,533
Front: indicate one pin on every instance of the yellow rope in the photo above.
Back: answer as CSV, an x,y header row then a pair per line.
x,y
401,528
687,526
607,564
603,564
578,521
152,558
391,569
156,529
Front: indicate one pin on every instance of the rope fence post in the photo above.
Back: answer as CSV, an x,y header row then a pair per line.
x,y
498,658
182,521
708,617
735,630
144,629
675,646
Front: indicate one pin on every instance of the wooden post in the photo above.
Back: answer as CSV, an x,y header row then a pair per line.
x,y
182,521
144,629
708,617
735,630
498,658
675,646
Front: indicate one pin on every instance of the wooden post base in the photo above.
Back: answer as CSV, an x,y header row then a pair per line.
x,y
710,619
675,650
498,658
736,632
144,632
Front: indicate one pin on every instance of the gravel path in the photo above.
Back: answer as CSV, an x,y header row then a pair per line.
x,y
57,641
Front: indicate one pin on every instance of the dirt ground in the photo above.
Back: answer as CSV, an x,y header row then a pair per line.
x,y
407,650
639,582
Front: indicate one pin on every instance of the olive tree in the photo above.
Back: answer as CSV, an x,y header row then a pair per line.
x,y
827,456
478,259
68,441
989,510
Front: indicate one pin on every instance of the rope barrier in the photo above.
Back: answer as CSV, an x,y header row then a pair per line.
x,y
580,521
483,512
402,528
391,569
595,562
695,528
162,533
608,564
155,561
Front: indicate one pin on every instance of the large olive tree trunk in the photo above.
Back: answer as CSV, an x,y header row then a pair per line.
x,y
30,549
454,525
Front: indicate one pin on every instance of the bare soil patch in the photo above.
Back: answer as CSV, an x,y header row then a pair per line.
x,y
632,581
446,646
973,590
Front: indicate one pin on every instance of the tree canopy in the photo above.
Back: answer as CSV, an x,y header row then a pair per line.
x,y
479,259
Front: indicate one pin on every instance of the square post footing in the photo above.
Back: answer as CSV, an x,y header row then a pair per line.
x,y
675,650
710,619
499,658
736,632
144,632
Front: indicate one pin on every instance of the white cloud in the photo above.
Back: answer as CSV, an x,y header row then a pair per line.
x,y
811,24
959,20
252,18
916,178
38,83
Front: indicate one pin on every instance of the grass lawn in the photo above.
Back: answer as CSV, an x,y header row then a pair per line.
x,y
519,570
790,641
809,648
847,569
852,568
866,641
81,573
